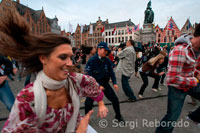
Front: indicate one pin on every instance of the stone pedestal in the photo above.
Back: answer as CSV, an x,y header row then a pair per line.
x,y
148,34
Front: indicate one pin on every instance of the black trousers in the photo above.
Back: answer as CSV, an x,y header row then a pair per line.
x,y
162,78
110,95
144,77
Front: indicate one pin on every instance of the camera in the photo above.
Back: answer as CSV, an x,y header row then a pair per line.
x,y
122,45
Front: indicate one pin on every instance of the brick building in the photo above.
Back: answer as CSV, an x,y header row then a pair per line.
x,y
165,35
187,28
121,34
89,34
36,18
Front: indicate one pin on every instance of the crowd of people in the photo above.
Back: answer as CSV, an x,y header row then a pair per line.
x,y
64,74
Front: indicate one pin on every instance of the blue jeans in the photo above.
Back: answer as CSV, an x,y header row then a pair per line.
x,y
176,98
6,95
126,87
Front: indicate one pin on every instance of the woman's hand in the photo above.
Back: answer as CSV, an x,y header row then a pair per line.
x,y
102,110
116,87
161,73
82,127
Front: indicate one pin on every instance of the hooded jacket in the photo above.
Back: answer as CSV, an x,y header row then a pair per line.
x,y
182,63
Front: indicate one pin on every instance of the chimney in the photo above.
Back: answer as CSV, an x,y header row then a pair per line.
x,y
18,1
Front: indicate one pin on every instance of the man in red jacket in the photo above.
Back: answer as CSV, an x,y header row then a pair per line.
x,y
180,78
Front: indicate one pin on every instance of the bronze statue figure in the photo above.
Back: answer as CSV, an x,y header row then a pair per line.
x,y
149,14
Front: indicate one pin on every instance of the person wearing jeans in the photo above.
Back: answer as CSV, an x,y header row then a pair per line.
x,y
6,95
126,65
181,77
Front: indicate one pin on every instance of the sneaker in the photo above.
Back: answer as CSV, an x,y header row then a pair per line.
x,y
163,84
188,118
120,118
159,89
155,90
131,100
140,96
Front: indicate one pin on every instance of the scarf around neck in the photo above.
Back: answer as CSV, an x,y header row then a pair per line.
x,y
43,81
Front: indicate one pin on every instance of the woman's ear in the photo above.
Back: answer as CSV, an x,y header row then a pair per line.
x,y
43,59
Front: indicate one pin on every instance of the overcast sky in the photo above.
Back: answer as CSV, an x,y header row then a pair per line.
x,y
86,11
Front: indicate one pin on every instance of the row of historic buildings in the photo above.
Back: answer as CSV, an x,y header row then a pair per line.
x,y
84,36
36,18
93,33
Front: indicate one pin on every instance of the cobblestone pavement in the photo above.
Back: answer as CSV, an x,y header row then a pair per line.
x,y
140,116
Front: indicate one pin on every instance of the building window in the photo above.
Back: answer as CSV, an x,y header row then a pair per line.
x,y
173,32
7,4
118,32
126,38
109,40
106,40
122,39
109,33
122,32
119,40
158,35
106,33
112,40
115,39
130,37
165,39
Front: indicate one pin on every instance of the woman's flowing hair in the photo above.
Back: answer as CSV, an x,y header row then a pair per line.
x,y
155,59
17,41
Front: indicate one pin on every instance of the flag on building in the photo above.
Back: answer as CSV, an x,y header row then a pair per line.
x,y
81,28
102,31
91,29
70,27
170,25
114,31
128,30
136,28
188,25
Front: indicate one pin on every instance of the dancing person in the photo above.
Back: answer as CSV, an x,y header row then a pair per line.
x,y
51,103
101,68
148,70
181,79
126,65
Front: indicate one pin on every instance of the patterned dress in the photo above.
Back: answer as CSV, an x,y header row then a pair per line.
x,y
23,118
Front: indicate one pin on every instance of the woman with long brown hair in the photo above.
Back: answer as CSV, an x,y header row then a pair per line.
x,y
51,103
148,69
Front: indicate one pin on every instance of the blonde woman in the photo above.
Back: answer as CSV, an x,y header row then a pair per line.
x,y
148,69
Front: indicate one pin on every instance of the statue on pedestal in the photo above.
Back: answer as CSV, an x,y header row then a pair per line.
x,y
149,14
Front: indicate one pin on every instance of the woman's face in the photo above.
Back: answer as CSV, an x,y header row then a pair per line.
x,y
56,66
161,61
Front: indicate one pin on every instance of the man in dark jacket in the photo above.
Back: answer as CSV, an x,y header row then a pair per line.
x,y
101,69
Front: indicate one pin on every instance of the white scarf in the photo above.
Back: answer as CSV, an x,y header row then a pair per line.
x,y
43,81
